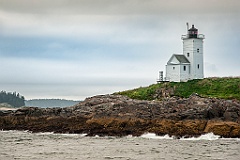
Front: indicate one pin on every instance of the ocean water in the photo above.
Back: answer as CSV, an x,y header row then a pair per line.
x,y
49,146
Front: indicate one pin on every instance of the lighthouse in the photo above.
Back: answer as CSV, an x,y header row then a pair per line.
x,y
189,65
193,51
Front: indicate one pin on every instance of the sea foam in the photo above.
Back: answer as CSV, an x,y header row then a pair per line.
x,y
62,134
154,136
208,136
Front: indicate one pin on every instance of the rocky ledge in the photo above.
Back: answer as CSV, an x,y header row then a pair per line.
x,y
117,115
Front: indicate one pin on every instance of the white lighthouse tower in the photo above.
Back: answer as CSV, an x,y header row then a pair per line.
x,y
193,51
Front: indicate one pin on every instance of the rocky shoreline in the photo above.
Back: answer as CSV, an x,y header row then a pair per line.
x,y
116,115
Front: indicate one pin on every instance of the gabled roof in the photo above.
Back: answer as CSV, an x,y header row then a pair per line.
x,y
180,58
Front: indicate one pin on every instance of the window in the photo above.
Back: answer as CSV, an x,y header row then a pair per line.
x,y
173,68
184,68
198,66
198,50
188,54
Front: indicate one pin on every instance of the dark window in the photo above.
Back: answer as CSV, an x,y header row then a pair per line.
x,y
198,66
198,50
188,54
184,68
173,67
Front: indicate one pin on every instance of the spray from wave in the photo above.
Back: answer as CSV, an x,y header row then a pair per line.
x,y
208,136
154,136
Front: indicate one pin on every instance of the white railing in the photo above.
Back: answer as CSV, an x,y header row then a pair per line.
x,y
184,36
200,36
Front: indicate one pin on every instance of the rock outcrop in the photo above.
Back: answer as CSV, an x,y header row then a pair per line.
x,y
119,115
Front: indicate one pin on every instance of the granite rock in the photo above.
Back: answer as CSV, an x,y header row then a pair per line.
x,y
119,115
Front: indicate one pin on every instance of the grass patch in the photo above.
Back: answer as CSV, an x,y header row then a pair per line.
x,y
225,88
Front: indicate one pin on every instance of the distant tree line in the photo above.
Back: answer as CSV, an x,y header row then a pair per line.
x,y
14,99
50,103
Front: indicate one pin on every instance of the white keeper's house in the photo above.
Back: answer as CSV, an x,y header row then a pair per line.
x,y
189,65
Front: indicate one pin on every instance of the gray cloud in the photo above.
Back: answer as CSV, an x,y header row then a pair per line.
x,y
74,48
120,7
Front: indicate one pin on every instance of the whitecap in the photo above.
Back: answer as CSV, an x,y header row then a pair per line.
x,y
208,136
45,133
72,135
62,134
154,136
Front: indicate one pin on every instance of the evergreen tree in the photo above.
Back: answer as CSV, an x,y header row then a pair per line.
x,y
14,99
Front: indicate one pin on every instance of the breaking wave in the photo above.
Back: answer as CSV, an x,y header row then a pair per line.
x,y
154,136
62,134
208,136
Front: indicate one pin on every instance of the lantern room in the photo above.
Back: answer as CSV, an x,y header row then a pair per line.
x,y
193,32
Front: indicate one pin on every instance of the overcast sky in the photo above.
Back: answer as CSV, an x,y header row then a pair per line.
x,y
74,49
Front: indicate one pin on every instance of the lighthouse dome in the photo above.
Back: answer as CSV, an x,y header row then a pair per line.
x,y
192,32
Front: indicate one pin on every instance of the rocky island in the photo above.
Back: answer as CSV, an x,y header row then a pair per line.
x,y
119,115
